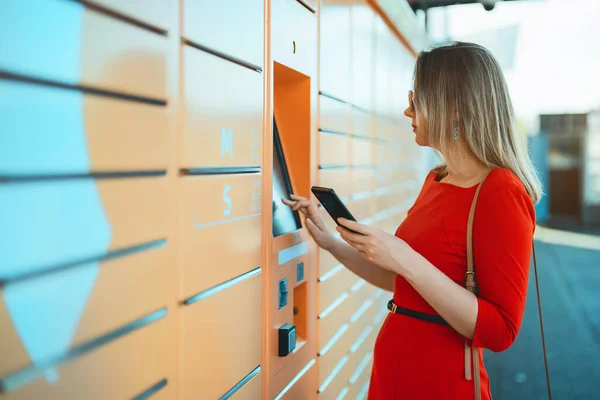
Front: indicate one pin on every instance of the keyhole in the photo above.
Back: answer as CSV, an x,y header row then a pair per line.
x,y
294,43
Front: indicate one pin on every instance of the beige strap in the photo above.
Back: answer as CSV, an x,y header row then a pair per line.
x,y
471,285
467,362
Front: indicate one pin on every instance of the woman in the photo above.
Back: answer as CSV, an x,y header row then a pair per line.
x,y
460,107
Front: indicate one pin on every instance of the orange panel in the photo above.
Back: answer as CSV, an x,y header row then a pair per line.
x,y
294,36
125,289
125,135
337,384
361,123
385,129
391,224
329,222
361,180
303,388
329,360
332,322
136,208
393,199
380,203
326,261
360,298
331,289
335,48
356,390
212,357
381,177
385,153
382,67
294,108
14,356
334,149
218,209
240,37
97,215
402,80
334,115
362,209
101,51
121,369
79,133
358,333
359,366
251,390
361,151
338,179
362,55
154,12
222,113
284,366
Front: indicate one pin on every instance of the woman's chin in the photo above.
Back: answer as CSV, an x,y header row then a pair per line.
x,y
420,141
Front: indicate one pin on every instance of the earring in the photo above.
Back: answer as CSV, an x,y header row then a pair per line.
x,y
455,132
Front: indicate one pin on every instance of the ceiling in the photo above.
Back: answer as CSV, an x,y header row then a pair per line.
x,y
426,4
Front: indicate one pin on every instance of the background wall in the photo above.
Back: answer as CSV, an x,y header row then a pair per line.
x,y
365,75
134,146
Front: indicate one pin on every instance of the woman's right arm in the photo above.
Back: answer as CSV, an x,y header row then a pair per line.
x,y
341,250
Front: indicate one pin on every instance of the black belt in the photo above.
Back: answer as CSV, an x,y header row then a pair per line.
x,y
436,319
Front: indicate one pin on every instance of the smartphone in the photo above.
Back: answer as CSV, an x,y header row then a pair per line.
x,y
332,203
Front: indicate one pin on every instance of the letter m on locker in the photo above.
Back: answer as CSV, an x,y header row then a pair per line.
x,y
226,142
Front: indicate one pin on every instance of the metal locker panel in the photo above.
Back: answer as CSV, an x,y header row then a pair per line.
x,y
222,112
220,229
74,45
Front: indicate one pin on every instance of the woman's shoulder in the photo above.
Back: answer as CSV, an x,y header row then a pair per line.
x,y
504,190
503,180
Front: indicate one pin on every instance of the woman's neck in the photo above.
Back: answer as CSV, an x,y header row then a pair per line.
x,y
468,172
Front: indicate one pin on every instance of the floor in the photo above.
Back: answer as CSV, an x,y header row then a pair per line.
x,y
569,287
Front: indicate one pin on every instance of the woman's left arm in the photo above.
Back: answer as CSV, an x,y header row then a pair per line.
x,y
454,303
503,235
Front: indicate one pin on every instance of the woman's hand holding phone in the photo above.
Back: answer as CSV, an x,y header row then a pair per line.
x,y
378,247
314,223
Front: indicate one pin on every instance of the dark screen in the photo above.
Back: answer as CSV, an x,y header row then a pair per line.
x,y
284,219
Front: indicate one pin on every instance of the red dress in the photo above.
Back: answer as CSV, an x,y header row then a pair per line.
x,y
414,359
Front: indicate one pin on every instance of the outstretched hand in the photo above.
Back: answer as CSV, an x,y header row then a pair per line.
x,y
314,223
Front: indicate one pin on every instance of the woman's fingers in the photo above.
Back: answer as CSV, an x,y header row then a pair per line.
x,y
312,228
288,202
296,205
301,204
350,237
296,197
314,231
353,236
308,208
354,226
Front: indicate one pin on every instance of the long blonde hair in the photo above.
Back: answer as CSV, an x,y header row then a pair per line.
x,y
462,86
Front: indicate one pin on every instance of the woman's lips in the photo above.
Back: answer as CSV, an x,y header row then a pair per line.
x,y
414,128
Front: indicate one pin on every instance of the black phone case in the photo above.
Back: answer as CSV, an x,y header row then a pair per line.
x,y
332,203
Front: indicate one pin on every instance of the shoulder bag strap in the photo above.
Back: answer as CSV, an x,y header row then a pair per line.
x,y
471,285
537,288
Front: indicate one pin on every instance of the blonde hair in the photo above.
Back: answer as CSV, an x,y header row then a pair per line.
x,y
462,86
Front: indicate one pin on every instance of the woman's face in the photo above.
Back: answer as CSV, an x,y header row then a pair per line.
x,y
418,125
